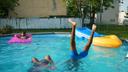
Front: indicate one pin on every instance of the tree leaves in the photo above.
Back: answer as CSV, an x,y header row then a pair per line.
x,y
6,5
90,5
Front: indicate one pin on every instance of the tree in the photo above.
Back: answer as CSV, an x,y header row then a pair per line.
x,y
91,7
6,6
72,9
98,6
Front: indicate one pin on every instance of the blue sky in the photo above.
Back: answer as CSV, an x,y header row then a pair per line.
x,y
124,5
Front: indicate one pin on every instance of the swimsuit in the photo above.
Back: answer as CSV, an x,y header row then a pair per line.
x,y
44,62
39,67
77,56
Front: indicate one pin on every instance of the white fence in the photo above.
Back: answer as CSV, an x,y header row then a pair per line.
x,y
39,23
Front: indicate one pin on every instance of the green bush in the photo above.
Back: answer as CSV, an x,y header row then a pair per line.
x,y
6,29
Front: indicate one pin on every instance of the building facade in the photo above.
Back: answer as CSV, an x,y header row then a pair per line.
x,y
47,8
110,16
39,8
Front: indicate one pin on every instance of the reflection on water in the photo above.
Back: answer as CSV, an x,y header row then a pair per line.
x,y
121,66
125,45
103,52
17,57
74,66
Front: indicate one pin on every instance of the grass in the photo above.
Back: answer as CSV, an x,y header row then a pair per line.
x,y
41,30
119,30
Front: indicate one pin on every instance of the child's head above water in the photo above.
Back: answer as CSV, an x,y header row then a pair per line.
x,y
23,33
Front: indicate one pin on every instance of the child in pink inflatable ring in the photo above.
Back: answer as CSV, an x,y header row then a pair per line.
x,y
23,35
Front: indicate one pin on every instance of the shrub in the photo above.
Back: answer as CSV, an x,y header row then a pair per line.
x,y
6,29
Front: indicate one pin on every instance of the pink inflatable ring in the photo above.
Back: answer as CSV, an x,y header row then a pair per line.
x,y
15,39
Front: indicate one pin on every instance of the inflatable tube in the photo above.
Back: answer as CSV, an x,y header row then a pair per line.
x,y
85,33
110,41
15,39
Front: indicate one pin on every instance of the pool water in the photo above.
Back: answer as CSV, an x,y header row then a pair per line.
x,y
17,57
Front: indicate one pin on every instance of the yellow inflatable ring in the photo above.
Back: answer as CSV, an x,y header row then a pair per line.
x,y
110,41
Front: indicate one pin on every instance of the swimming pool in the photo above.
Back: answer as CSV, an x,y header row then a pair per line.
x,y
17,57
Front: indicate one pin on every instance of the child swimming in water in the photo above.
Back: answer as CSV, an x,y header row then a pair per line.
x,y
47,63
23,35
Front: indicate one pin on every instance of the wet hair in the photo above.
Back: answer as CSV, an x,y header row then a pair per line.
x,y
24,33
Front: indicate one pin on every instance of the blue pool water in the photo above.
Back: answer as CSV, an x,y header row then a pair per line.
x,y
17,57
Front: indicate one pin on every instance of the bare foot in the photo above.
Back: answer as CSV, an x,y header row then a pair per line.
x,y
72,22
34,60
93,27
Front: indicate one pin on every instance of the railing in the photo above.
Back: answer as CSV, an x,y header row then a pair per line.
x,y
39,23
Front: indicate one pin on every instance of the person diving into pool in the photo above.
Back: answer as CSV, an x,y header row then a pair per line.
x,y
38,66
84,53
